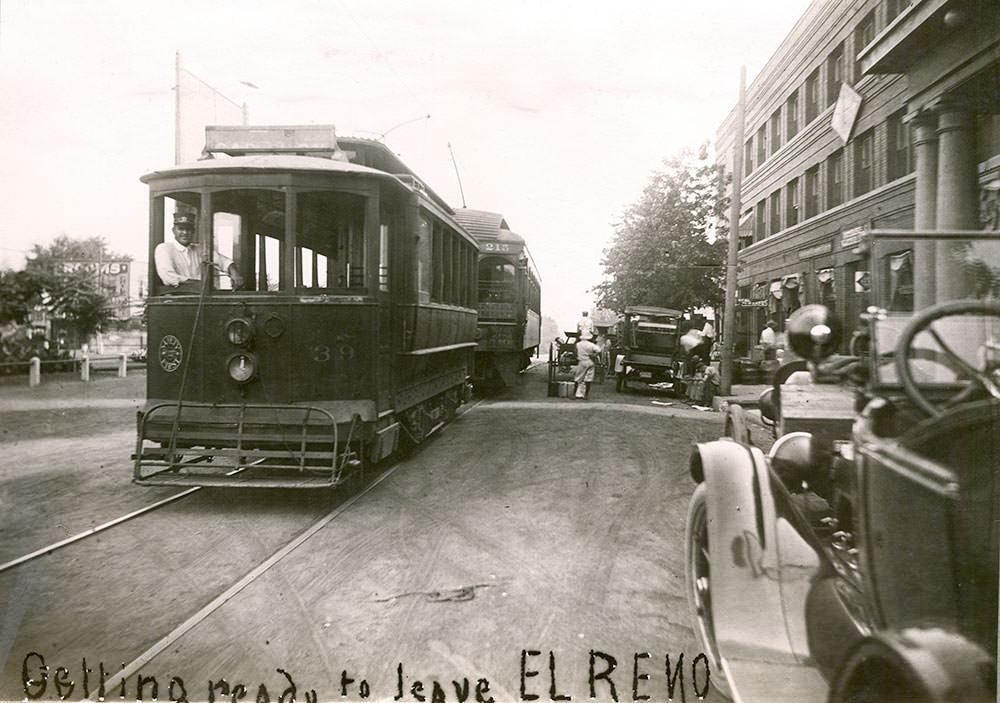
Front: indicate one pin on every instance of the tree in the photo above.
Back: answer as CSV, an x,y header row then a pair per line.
x,y
70,291
669,248
20,291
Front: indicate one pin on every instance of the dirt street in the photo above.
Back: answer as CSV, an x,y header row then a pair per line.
x,y
533,548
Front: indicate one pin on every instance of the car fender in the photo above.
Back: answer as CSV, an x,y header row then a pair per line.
x,y
916,664
746,585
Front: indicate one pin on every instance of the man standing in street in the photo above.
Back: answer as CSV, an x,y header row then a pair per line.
x,y
586,354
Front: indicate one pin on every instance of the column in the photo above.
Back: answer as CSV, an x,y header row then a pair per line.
x,y
957,197
923,128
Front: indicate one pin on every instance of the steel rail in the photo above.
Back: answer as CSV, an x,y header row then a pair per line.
x,y
100,528
136,664
175,634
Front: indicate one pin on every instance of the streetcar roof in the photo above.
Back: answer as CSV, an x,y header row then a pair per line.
x,y
263,162
487,226
481,224
297,163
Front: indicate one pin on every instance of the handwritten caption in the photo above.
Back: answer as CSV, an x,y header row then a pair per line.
x,y
538,680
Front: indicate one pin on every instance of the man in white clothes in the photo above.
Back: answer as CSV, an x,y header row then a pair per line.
x,y
178,263
586,354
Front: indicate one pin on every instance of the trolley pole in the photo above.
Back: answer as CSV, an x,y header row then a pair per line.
x,y
729,311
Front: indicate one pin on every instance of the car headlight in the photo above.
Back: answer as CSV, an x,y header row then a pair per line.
x,y
239,331
242,367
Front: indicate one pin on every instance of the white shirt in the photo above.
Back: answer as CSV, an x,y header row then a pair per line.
x,y
768,337
585,351
176,263
585,324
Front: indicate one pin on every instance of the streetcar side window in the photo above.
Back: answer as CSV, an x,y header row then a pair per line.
x,y
331,249
452,266
424,267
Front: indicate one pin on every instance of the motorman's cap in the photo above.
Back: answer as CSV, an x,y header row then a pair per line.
x,y
184,217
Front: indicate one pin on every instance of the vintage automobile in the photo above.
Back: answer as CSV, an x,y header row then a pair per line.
x,y
648,338
860,562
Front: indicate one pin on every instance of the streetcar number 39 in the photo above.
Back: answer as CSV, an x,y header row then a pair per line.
x,y
322,352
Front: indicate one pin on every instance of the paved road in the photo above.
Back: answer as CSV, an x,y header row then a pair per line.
x,y
522,550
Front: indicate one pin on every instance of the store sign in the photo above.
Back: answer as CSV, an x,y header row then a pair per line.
x,y
846,111
851,237
817,250
747,303
110,277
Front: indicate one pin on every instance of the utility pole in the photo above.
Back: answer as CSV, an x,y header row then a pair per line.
x,y
729,312
177,108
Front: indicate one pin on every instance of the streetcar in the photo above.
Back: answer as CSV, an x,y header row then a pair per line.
x,y
508,301
333,324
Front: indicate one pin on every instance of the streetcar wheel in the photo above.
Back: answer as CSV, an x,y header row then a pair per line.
x,y
698,580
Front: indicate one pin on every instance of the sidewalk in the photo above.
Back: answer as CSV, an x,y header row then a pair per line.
x,y
746,395
66,390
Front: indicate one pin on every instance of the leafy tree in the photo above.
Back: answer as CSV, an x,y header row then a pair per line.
x,y
72,293
20,291
669,248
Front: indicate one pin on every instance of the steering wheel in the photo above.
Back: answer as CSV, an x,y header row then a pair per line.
x,y
985,378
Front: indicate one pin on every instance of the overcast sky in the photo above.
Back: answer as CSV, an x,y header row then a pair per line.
x,y
557,111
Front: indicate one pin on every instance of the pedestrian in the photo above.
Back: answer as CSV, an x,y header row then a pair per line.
x,y
586,355
585,324
768,335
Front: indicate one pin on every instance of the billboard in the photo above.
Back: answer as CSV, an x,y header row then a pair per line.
x,y
112,279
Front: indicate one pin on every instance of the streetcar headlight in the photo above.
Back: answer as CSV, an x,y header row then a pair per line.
x,y
242,367
239,331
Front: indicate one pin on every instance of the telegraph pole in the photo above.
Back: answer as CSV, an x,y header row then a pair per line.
x,y
729,311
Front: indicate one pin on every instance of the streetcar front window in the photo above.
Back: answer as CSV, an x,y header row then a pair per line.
x,y
248,227
330,244
497,279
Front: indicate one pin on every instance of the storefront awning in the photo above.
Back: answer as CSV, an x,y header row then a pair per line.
x,y
776,290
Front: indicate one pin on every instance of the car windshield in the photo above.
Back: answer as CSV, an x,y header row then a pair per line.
x,y
911,272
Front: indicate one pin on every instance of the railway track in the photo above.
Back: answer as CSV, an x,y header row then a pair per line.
x,y
175,631
48,549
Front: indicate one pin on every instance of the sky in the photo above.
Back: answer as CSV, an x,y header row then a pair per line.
x,y
553,112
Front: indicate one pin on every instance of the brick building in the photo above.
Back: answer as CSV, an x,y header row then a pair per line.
x,y
870,114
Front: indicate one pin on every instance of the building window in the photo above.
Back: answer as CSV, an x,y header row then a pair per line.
x,y
748,157
776,130
758,221
864,179
897,146
835,179
792,115
792,203
834,74
761,144
812,96
775,212
812,192
864,33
